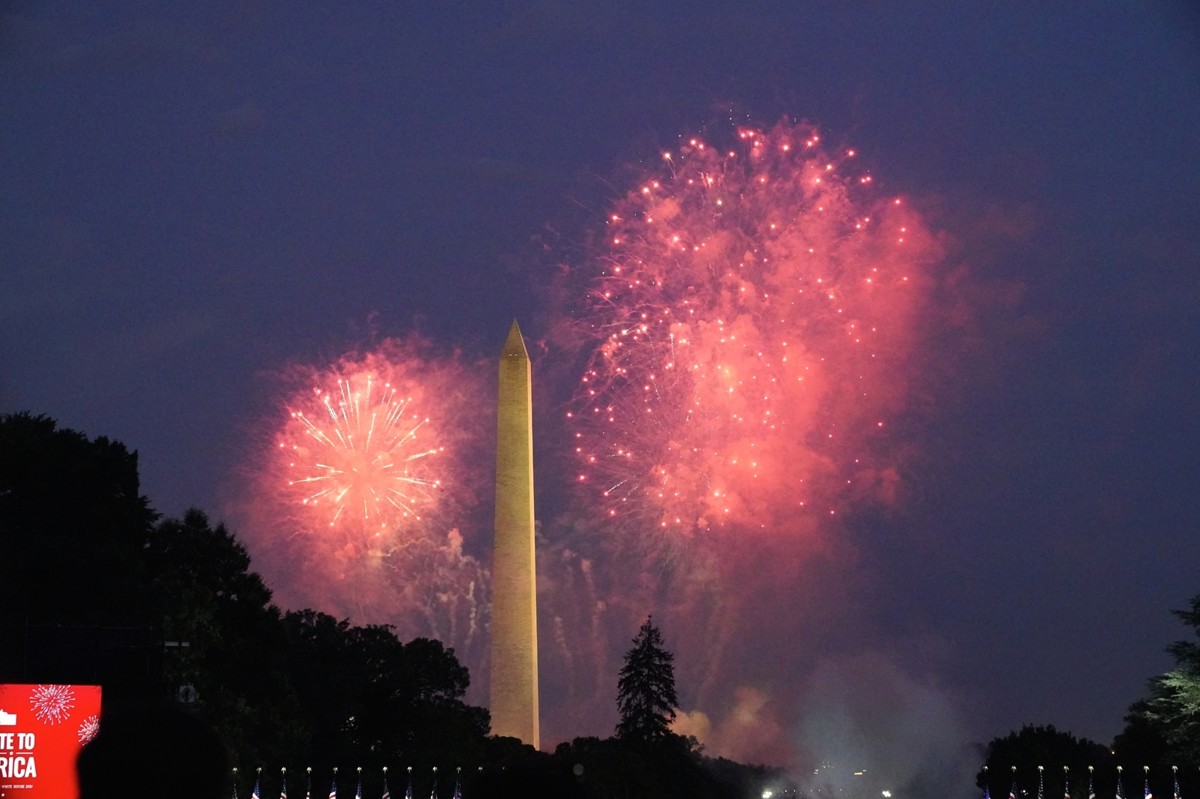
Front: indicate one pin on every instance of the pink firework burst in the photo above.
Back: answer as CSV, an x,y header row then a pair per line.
x,y
358,454
88,729
756,312
52,704
373,462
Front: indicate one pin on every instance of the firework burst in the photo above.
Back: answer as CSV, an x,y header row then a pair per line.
x,y
370,467
356,454
52,704
754,312
374,452
88,728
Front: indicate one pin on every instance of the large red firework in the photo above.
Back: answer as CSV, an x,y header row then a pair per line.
x,y
754,310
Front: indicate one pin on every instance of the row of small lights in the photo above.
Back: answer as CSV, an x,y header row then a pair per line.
x,y
1120,769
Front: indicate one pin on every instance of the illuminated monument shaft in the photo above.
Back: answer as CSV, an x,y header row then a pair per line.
x,y
514,588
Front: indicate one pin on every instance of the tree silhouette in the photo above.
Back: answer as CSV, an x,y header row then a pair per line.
x,y
94,588
367,697
1172,711
1015,758
72,526
646,688
224,640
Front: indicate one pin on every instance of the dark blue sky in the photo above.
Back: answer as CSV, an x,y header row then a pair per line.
x,y
193,195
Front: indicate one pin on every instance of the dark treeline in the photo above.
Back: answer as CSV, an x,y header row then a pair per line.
x,y
1157,754
1043,761
98,588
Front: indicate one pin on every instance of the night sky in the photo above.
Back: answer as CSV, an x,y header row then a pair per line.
x,y
196,199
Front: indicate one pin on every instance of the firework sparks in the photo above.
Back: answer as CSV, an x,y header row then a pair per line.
x,y
356,454
52,704
88,728
754,314
372,466
372,453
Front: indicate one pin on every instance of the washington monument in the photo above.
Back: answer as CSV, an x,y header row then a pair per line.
x,y
514,577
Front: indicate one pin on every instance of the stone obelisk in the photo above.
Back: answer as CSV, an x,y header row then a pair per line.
x,y
514,578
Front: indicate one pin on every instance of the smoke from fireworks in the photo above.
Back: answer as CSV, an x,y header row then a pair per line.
x,y
355,505
754,313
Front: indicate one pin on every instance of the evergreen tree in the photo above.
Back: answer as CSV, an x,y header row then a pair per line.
x,y
646,688
1173,708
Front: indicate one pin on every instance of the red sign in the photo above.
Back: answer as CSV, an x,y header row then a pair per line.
x,y
42,728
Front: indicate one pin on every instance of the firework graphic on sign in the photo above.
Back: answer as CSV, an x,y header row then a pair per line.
x,y
52,703
88,729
